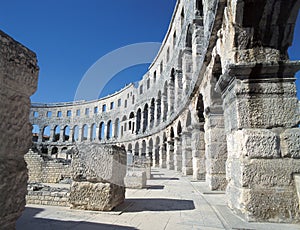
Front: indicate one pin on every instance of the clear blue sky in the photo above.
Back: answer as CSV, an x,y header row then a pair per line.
x,y
71,35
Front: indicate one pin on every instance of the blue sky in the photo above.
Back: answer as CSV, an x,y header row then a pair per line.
x,y
69,36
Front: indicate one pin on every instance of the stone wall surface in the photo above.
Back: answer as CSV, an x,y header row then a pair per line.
x,y
18,81
46,171
98,177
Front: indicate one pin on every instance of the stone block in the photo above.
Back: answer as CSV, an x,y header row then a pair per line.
x,y
135,179
98,163
95,196
290,143
216,182
253,143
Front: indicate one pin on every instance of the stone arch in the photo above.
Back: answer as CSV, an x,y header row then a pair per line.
x,y
56,133
145,117
102,131
66,134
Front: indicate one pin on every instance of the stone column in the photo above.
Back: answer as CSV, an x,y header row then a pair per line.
x,y
51,138
177,154
261,119
89,136
162,157
170,153
215,148
198,152
164,107
18,77
158,111
187,65
40,135
171,98
61,135
71,134
79,133
97,133
187,159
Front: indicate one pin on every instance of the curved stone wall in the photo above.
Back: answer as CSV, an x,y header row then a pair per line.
x,y
220,84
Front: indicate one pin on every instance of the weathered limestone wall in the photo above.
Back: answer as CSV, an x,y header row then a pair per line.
x,y
263,142
98,177
18,81
45,171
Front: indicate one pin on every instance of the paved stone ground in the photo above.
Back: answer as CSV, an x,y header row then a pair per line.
x,y
170,202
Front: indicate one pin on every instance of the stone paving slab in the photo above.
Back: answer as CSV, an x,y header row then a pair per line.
x,y
169,202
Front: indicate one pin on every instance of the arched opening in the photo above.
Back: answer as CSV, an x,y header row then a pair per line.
x,y
150,150
152,112
75,133
199,8
66,136
158,107
54,152
189,37
84,134
93,132
46,134
171,98
131,122
56,135
200,109
143,153
129,148
123,125
156,152
35,133
145,118
179,129
138,120
117,127
136,149
109,130
101,131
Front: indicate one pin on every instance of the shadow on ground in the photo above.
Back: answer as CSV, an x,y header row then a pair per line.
x,y
140,205
28,221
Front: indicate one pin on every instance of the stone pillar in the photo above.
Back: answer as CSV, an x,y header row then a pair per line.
x,y
261,120
215,148
178,87
164,107
171,98
170,154
61,135
187,159
187,65
198,152
18,77
162,157
40,135
80,134
71,134
97,133
177,154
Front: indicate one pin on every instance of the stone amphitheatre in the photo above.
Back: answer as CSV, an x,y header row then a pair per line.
x,y
218,103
